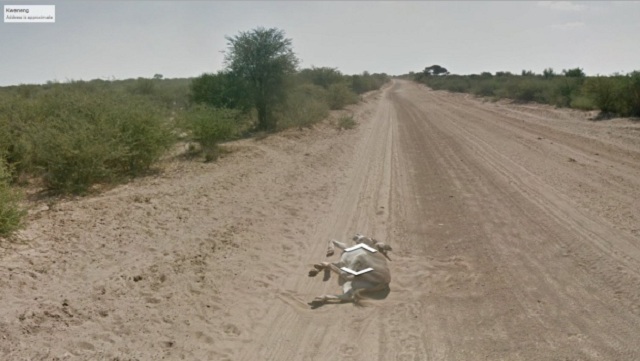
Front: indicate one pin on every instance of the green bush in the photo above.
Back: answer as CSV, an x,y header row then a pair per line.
x,y
582,102
548,73
5,129
77,139
627,90
339,95
73,155
172,94
367,82
326,77
143,86
485,87
452,83
564,91
528,90
11,214
522,88
209,126
574,73
305,106
221,90
346,122
615,94
17,117
323,76
142,132
605,92
632,94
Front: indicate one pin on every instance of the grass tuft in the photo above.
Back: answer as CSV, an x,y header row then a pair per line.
x,y
347,122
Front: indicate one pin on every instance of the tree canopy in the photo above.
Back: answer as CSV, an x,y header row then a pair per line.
x,y
262,58
435,70
574,73
221,90
431,71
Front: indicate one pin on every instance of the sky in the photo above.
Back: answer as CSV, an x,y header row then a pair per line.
x,y
180,39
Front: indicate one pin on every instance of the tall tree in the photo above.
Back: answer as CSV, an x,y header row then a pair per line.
x,y
262,58
435,70
574,73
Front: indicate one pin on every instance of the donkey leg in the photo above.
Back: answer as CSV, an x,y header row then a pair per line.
x,y
332,244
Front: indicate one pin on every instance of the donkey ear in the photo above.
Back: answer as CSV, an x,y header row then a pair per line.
x,y
384,248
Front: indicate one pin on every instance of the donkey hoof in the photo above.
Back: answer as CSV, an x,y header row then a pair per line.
x,y
317,302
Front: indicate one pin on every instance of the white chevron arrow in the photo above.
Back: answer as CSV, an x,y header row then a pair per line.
x,y
360,245
358,273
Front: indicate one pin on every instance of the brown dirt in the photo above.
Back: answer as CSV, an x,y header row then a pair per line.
x,y
515,229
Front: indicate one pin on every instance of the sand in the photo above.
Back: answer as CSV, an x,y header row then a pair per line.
x,y
515,231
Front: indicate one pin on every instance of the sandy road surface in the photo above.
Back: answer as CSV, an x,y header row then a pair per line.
x,y
515,229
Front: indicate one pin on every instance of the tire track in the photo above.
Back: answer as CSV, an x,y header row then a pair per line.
x,y
539,246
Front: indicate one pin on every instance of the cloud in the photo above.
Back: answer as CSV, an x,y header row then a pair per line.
x,y
561,5
567,26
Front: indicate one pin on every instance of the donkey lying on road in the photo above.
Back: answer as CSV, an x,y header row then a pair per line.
x,y
356,282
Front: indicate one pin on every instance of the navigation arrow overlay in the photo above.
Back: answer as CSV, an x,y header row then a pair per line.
x,y
360,245
356,273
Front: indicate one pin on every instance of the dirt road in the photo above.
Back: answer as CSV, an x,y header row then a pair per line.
x,y
515,228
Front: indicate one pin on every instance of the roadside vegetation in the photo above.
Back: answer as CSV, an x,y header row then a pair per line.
x,y
72,136
617,94
11,213
347,122
67,138
263,87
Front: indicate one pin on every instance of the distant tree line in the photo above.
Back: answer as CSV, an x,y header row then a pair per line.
x,y
617,94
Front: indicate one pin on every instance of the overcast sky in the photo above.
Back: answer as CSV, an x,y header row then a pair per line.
x,y
185,39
